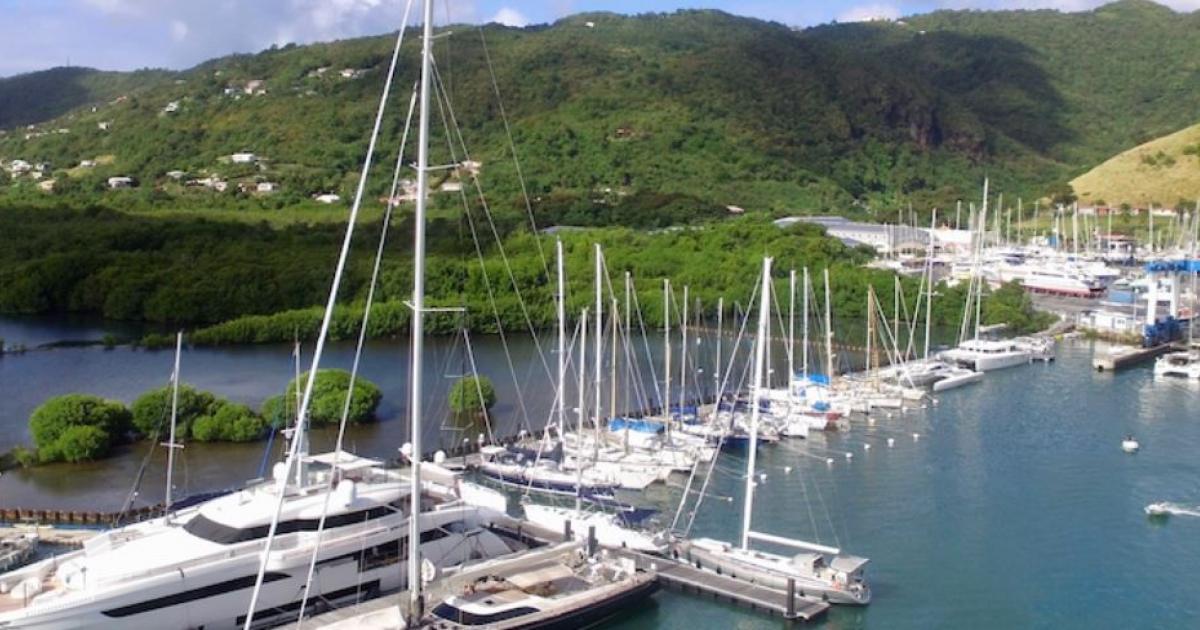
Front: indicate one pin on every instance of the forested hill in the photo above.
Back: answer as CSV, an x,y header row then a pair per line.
x,y
615,116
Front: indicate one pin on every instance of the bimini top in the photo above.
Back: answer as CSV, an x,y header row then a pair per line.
x,y
346,461
640,426
848,564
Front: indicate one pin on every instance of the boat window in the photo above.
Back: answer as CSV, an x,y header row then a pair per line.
x,y
212,531
462,617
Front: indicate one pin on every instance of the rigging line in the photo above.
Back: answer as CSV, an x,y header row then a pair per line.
x,y
358,350
491,293
637,308
302,414
452,122
141,473
825,509
720,394
487,418
512,146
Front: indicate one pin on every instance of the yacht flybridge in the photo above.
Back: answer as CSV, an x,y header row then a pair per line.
x,y
196,567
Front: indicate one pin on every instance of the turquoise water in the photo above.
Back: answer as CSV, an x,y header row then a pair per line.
x,y
1016,508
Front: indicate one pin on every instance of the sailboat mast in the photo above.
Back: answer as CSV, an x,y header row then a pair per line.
x,y
583,324
791,353
929,281
171,445
561,307
599,333
720,333
416,601
615,331
760,347
683,348
666,400
804,314
828,332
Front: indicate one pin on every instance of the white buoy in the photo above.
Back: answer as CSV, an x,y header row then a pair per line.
x,y
762,477
891,442
829,460
787,470
849,455
866,447
871,420
889,414
935,402
916,436
1130,444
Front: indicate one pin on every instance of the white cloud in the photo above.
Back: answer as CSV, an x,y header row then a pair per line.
x,y
509,16
179,30
870,13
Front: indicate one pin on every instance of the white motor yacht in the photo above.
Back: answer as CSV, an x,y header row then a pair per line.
x,y
197,567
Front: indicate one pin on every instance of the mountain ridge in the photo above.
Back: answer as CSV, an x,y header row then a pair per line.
x,y
727,109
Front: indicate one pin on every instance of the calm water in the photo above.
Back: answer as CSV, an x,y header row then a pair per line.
x,y
1014,508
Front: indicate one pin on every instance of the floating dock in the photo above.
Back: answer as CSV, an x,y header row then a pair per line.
x,y
1127,357
688,579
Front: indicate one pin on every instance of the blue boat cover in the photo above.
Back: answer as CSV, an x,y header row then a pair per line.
x,y
641,426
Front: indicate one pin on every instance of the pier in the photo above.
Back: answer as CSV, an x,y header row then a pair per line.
x,y
678,575
1128,357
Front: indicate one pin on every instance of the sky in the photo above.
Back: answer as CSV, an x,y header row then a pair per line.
x,y
130,34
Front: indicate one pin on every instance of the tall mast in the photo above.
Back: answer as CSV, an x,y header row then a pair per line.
x,y
791,353
804,315
683,348
583,324
626,342
599,333
979,261
171,444
720,333
614,317
760,346
667,348
929,282
416,601
562,339
828,332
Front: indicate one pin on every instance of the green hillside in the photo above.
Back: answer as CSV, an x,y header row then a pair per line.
x,y
1162,172
706,108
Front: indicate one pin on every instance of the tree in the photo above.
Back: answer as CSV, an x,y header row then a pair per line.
x,y
77,427
152,410
472,394
228,422
328,399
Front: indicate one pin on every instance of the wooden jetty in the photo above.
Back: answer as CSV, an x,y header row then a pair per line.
x,y
1127,357
51,535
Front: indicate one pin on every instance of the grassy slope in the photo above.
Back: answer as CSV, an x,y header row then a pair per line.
x,y
1141,176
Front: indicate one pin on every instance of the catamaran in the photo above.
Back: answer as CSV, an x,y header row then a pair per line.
x,y
820,570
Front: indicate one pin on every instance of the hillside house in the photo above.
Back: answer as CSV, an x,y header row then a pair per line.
x,y
266,187
104,125
87,164
171,107
19,167
243,158
118,182
255,87
176,175
327,198
47,185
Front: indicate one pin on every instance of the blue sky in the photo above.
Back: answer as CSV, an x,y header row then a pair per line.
x,y
127,34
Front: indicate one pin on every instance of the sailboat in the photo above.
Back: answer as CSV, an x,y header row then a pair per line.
x,y
609,528
244,559
976,353
819,570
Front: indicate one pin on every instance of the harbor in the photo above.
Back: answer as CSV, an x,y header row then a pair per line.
x,y
672,422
